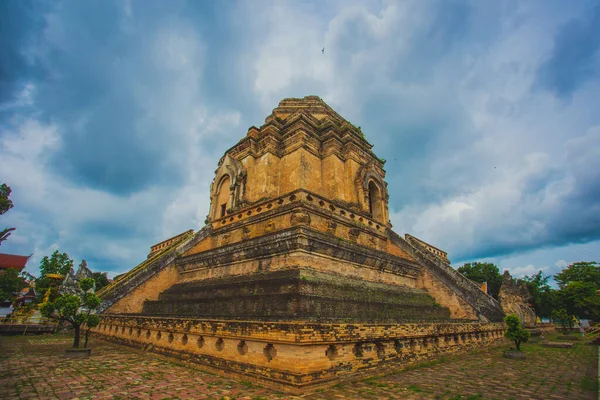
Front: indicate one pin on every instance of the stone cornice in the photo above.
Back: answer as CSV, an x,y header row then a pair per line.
x,y
348,213
299,238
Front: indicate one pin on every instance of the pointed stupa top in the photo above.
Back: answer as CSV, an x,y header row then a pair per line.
x,y
312,113
313,105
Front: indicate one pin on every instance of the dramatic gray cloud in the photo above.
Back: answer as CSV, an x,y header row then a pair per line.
x,y
575,57
113,116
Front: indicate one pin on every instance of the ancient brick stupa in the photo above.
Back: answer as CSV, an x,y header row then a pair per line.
x,y
297,279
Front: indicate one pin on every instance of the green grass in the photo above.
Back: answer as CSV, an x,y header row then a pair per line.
x,y
425,364
470,397
373,382
588,383
415,388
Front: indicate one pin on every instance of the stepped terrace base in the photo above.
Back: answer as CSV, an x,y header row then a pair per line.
x,y
297,294
296,356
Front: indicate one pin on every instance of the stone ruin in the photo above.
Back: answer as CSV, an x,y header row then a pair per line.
x,y
297,280
514,297
71,282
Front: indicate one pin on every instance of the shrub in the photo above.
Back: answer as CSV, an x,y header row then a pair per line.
x,y
514,331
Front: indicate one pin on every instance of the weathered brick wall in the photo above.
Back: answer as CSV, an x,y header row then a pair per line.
x,y
443,294
300,293
298,247
301,207
148,289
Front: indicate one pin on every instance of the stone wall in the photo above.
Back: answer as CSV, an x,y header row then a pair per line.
x,y
296,356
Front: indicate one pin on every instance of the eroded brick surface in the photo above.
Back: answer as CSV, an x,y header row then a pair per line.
x,y
34,368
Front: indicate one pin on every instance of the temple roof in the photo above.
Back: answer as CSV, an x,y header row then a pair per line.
x,y
13,261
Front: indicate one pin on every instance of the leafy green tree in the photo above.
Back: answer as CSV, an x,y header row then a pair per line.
x,y
580,299
57,263
11,282
514,331
545,299
583,271
484,272
565,319
5,205
76,309
578,284
101,279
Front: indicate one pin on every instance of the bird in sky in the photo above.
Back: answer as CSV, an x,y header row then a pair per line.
x,y
323,50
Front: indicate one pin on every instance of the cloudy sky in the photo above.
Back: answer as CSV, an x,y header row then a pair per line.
x,y
113,115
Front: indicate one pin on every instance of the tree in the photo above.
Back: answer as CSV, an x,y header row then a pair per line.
x,y
514,331
545,299
564,318
583,271
5,205
92,321
580,299
578,284
484,272
11,282
58,263
76,309
101,279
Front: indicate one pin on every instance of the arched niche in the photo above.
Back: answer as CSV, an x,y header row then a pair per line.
x,y
223,197
372,192
228,188
375,201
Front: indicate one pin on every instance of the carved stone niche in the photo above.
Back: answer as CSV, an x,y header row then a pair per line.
x,y
353,234
372,192
227,191
300,218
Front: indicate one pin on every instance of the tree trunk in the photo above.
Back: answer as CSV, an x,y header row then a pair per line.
x,y
87,332
76,338
518,344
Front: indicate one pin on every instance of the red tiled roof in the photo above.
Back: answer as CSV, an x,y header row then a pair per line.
x,y
13,261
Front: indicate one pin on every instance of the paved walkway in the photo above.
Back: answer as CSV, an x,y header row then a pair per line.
x,y
33,367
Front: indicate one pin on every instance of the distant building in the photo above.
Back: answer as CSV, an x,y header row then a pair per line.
x,y
26,296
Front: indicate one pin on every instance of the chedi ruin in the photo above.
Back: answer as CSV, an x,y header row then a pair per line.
x,y
297,280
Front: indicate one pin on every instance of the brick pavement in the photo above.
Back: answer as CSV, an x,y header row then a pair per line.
x,y
34,368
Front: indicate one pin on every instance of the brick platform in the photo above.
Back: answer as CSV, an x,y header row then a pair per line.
x,y
35,368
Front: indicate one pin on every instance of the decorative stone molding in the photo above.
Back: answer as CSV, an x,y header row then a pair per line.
x,y
296,357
